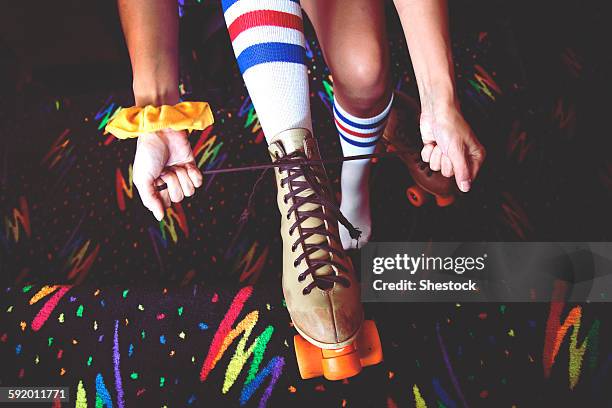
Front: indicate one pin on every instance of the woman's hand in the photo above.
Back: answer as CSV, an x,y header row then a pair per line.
x,y
165,157
450,145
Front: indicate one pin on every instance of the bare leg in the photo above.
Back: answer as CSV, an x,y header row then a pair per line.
x,y
353,37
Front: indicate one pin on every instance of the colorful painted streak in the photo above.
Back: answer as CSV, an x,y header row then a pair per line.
x,y
557,331
60,152
103,397
175,215
419,402
44,313
124,188
564,114
80,259
19,217
106,113
327,94
514,216
251,120
484,84
207,149
449,366
519,143
116,367
252,264
225,336
81,396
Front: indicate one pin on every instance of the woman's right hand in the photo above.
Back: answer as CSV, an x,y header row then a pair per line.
x,y
165,157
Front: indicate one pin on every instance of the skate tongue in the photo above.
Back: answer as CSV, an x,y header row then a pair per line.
x,y
291,141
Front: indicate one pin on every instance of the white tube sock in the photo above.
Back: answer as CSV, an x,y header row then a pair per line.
x,y
357,136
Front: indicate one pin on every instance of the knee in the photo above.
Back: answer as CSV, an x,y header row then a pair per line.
x,y
361,82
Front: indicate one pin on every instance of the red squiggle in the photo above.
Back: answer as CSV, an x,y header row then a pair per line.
x,y
44,313
557,331
219,345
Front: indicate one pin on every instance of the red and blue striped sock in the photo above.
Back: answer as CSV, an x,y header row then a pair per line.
x,y
357,136
268,41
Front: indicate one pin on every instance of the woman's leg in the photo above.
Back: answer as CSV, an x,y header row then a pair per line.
x,y
352,34
268,41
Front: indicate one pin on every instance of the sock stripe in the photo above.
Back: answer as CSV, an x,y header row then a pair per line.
x,y
359,135
374,133
259,4
260,18
357,143
271,52
354,124
269,34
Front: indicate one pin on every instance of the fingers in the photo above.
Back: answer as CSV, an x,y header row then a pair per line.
x,y
174,186
163,193
456,154
184,181
447,167
435,161
194,174
426,152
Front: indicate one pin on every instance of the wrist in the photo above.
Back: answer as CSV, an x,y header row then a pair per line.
x,y
438,95
155,95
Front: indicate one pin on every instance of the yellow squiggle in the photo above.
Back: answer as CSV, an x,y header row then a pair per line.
x,y
81,396
418,399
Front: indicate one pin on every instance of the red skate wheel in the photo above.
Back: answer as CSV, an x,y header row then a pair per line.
x,y
341,363
308,358
445,201
368,344
417,196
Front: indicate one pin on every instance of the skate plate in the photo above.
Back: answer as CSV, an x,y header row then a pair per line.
x,y
340,363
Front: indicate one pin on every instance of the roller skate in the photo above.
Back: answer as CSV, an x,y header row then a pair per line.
x,y
321,291
402,134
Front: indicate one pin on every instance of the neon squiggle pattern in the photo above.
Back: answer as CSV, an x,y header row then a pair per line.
x,y
207,149
483,83
121,187
20,217
248,109
557,331
44,313
225,336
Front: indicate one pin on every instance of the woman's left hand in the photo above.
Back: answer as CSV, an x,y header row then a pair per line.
x,y
450,145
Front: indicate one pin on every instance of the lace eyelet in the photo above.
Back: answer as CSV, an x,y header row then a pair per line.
x,y
301,278
293,248
295,265
288,216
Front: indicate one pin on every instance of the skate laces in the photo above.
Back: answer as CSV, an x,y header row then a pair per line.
x,y
293,170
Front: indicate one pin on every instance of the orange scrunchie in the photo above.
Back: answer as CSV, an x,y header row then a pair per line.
x,y
131,122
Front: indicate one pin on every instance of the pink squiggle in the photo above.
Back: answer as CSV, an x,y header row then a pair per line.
x,y
45,311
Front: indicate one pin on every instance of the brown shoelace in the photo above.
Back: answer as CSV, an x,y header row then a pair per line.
x,y
297,166
293,170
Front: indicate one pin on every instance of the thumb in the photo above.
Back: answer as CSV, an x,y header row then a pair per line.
x,y
150,197
456,154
